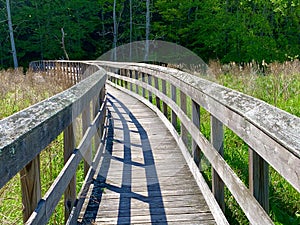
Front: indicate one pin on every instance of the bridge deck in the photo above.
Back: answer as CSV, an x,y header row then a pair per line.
x,y
142,177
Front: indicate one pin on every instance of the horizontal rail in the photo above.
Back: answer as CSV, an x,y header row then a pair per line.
x,y
271,133
24,135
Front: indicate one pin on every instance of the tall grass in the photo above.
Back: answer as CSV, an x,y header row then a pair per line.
x,y
278,85
18,91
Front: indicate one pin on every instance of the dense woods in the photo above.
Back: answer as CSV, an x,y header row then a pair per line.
x,y
239,31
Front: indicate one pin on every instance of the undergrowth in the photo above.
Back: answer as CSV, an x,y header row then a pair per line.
x,y
19,91
279,86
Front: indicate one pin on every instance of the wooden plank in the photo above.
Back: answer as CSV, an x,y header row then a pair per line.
x,y
157,98
177,189
174,97
183,132
196,152
149,92
216,138
86,120
259,179
70,192
164,91
31,187
234,184
275,131
47,204
25,134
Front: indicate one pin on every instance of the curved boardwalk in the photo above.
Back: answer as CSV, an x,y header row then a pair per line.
x,y
142,177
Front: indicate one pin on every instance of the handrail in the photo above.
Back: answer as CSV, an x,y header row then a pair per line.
x,y
25,134
273,135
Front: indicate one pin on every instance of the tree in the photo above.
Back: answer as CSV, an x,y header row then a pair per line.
x,y
11,34
147,29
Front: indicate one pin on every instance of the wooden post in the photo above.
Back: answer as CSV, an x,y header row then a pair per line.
x,y
136,86
157,98
31,187
173,115
86,121
70,192
143,80
149,92
96,104
164,90
259,179
184,132
130,75
217,137
196,120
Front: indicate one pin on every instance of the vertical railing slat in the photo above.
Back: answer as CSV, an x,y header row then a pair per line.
x,y
217,136
70,192
184,132
196,120
173,115
31,187
259,179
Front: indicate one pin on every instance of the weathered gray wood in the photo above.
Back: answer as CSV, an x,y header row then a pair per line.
x,y
86,120
259,179
25,134
149,92
31,187
136,77
164,91
47,205
183,132
241,193
157,98
196,152
143,89
179,185
216,138
174,98
70,192
177,189
279,132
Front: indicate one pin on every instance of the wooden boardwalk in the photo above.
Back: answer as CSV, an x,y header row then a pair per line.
x,y
142,177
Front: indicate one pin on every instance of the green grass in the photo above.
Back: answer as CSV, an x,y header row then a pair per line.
x,y
279,89
20,91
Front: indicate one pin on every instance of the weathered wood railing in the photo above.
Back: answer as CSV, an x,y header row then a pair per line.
x,y
273,136
25,134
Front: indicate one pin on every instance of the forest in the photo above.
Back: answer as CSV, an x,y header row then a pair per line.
x,y
228,31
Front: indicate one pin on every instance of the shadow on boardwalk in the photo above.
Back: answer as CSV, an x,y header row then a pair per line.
x,y
123,195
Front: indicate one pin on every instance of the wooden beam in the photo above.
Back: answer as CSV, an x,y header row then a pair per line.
x,y
259,179
196,152
31,187
174,98
70,192
164,91
184,133
86,121
217,142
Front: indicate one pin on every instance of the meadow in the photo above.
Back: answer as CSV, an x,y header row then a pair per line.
x,y
278,85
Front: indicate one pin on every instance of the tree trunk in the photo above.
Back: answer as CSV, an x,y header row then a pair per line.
x,y
115,32
130,38
147,30
11,34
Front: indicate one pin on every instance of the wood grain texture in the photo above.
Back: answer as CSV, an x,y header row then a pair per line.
x,y
256,122
134,183
256,214
25,134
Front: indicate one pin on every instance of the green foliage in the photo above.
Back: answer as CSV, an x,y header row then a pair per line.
x,y
239,31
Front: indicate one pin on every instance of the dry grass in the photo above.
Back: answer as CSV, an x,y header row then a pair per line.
x,y
18,91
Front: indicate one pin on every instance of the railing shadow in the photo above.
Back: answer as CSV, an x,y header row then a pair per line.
x,y
153,197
